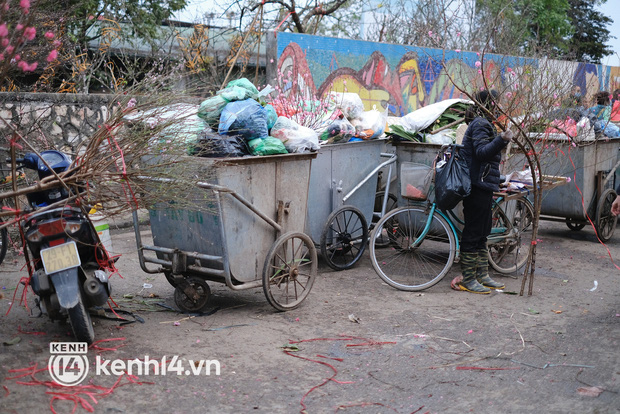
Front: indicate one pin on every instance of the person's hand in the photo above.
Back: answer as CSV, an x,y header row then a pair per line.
x,y
615,207
507,135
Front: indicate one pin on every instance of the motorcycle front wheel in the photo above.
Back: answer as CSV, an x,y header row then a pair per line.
x,y
81,324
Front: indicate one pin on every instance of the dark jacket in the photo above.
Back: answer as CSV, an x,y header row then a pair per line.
x,y
482,147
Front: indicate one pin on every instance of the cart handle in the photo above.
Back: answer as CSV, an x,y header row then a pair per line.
x,y
222,189
391,160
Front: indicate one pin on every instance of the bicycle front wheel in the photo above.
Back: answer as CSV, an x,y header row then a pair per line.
x,y
408,263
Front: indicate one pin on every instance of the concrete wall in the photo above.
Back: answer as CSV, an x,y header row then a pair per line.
x,y
404,78
64,120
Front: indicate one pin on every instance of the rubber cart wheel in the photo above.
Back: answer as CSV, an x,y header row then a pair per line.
x,y
289,271
170,279
605,221
344,238
382,240
574,225
192,294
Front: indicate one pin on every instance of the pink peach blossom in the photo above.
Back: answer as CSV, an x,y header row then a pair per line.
x,y
4,32
30,33
49,35
52,56
478,64
24,4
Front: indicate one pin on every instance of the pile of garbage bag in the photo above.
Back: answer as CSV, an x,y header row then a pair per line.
x,y
434,124
240,120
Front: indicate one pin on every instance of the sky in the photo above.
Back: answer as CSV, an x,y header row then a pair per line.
x,y
197,8
614,28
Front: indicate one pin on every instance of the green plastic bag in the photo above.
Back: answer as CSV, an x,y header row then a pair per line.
x,y
211,108
272,116
266,146
245,84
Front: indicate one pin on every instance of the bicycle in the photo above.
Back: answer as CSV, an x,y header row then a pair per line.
x,y
424,241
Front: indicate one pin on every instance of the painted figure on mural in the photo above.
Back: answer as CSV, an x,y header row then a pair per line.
x,y
482,147
615,108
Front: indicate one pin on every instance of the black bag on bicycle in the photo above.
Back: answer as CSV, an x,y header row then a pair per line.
x,y
452,180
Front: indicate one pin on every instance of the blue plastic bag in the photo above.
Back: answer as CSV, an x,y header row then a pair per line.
x,y
246,118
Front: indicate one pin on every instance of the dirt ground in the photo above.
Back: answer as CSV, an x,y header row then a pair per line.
x,y
438,351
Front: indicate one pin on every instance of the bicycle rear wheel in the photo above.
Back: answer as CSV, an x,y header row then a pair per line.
x,y
404,264
510,235
4,242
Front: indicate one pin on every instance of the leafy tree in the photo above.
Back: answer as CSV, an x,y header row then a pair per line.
x,y
523,26
587,44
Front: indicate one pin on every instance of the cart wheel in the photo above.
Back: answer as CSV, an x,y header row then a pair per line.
x,y
574,225
392,203
170,279
289,271
605,221
192,294
344,238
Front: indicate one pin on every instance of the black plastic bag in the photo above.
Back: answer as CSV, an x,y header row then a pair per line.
x,y
452,180
213,145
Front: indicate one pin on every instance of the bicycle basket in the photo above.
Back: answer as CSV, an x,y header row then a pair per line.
x,y
415,181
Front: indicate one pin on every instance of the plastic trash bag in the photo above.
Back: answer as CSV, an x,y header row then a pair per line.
x,y
211,109
349,103
210,144
340,130
245,84
272,116
420,119
295,137
452,181
266,146
178,125
372,123
246,118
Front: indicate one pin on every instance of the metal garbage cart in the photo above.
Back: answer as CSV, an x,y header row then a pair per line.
x,y
591,166
249,235
343,185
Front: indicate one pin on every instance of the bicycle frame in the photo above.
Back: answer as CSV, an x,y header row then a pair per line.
x,y
455,231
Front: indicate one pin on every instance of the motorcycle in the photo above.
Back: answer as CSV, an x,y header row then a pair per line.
x,y
68,272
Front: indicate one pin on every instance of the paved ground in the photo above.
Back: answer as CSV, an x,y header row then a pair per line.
x,y
439,351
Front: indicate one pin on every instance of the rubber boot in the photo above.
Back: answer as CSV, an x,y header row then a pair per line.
x,y
469,263
482,271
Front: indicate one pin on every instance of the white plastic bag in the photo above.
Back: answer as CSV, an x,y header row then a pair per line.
x,y
349,103
420,119
372,120
295,137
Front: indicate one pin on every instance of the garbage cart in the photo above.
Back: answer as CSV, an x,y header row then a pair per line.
x,y
249,233
591,166
341,201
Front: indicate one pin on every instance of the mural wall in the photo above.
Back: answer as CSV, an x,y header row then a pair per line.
x,y
404,78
